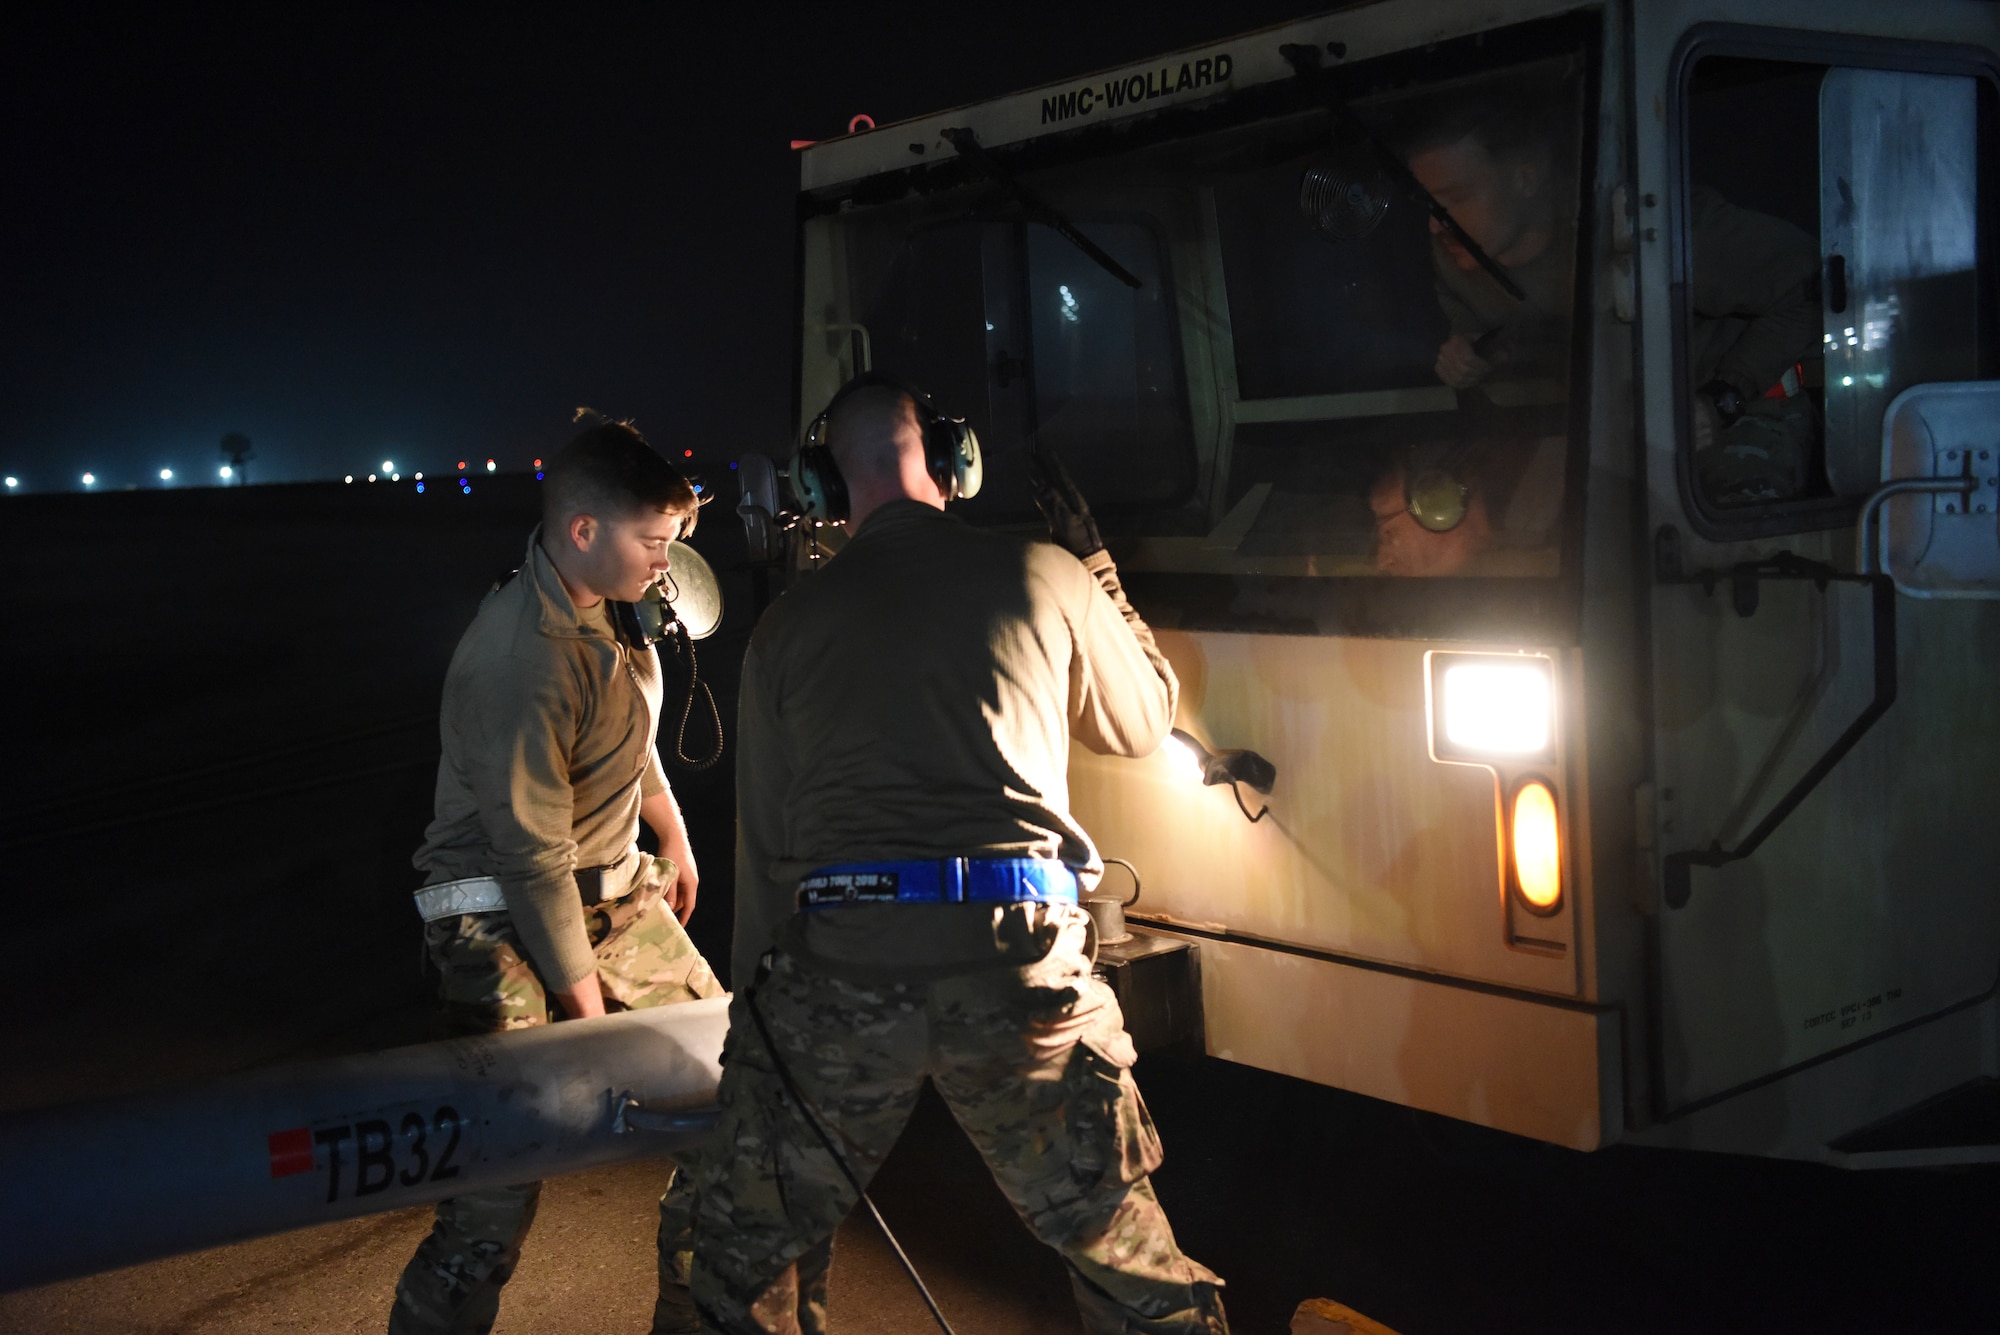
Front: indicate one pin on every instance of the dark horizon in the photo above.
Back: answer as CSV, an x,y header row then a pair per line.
x,y
428,237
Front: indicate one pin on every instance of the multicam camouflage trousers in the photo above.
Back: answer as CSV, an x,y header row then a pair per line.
x,y
1763,456
1034,1063
486,985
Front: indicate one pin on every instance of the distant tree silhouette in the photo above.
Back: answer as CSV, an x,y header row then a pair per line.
x,y
236,449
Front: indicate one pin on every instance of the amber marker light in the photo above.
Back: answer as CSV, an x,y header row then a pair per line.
x,y
1537,847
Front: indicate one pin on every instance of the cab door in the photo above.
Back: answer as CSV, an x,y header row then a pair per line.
x,y
1825,748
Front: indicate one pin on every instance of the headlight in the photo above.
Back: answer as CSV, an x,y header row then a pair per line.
x,y
1487,707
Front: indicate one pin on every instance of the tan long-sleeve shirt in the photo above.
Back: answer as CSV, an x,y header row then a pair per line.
x,y
916,699
1754,295
548,731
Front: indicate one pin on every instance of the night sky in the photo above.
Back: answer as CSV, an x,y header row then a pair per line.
x,y
422,236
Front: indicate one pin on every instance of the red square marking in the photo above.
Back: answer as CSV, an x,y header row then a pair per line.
x,y
291,1152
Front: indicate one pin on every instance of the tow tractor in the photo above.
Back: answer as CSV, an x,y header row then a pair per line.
x,y
1611,798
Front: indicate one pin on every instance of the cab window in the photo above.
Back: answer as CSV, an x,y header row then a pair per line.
x,y
1829,227
1317,382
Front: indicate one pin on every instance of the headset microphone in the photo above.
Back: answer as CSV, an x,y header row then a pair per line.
x,y
683,605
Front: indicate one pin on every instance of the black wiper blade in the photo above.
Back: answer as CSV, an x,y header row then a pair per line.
x,y
1305,64
1037,208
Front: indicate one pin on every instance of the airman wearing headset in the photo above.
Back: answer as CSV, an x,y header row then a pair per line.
x,y
907,878
1753,293
538,903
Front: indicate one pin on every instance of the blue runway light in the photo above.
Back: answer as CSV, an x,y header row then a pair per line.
x,y
420,489
538,477
732,463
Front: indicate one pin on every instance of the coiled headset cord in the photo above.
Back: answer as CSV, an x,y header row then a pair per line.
x,y
806,1111
684,644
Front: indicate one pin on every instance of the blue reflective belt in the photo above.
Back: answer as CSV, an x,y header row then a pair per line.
x,y
939,881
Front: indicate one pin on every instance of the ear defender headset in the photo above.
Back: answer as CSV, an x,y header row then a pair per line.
x,y
1436,499
951,453
1438,495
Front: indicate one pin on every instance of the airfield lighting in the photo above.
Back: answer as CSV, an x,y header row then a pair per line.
x,y
395,477
12,482
1491,706
166,475
490,465
1537,847
388,467
227,472
420,478
90,479
371,477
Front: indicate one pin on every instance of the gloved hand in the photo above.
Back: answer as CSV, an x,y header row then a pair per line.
x,y
1062,505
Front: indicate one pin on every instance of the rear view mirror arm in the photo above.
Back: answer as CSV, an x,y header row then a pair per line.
x,y
1743,579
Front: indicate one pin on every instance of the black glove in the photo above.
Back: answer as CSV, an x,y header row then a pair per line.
x,y
1062,505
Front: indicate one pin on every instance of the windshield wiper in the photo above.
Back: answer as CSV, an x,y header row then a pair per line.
x,y
1037,208
1305,64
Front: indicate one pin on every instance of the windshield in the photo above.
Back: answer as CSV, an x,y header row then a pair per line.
x,y
1316,379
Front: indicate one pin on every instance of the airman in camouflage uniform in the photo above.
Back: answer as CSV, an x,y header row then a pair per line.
x,y
537,903
911,706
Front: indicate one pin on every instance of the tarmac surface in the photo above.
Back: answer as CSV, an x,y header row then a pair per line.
x,y
221,758
1289,1190
588,1268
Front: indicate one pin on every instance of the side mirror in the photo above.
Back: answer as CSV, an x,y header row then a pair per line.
x,y
1940,494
